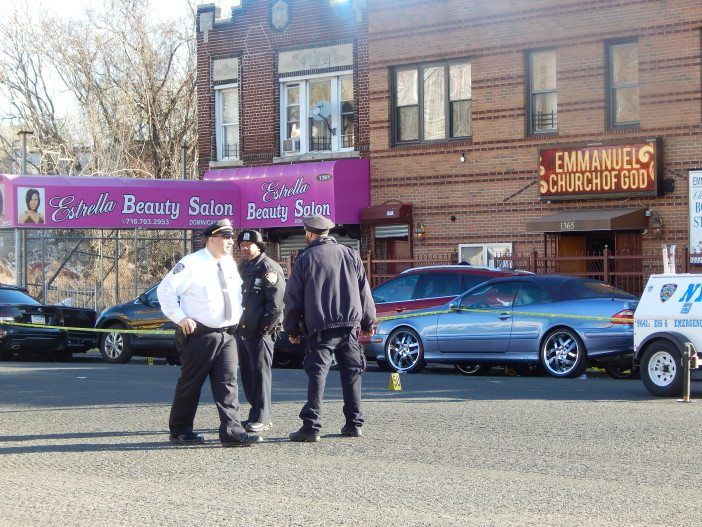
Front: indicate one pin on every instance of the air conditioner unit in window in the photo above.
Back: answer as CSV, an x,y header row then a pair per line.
x,y
291,145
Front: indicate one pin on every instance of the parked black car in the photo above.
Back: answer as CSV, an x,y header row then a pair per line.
x,y
145,313
16,305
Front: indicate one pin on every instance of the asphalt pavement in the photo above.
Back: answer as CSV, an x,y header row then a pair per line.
x,y
85,443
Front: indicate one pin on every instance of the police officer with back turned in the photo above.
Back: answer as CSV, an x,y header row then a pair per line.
x,y
329,292
262,299
202,294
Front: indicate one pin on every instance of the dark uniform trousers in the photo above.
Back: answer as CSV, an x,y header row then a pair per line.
x,y
206,353
255,362
343,343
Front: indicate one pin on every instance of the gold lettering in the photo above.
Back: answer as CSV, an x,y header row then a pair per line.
x,y
616,159
559,161
607,159
588,183
635,158
578,182
626,157
625,179
595,165
552,183
569,161
583,160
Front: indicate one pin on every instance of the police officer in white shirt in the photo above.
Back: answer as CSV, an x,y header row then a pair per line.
x,y
202,294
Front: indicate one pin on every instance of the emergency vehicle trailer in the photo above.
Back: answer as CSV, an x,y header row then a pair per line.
x,y
667,323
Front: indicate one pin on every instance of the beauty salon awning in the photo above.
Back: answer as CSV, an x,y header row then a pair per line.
x,y
114,203
619,219
280,195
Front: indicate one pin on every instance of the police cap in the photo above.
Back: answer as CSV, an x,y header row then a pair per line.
x,y
223,226
317,224
252,236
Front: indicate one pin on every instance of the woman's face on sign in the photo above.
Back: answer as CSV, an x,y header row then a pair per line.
x,y
34,202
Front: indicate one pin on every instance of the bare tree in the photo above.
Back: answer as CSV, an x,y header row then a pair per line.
x,y
133,80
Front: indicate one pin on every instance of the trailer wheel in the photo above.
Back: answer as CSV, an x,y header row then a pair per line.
x,y
661,369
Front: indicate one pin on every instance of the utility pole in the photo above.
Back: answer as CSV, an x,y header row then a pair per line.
x,y
20,234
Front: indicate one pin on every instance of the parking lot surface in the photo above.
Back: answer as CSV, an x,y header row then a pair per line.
x,y
85,443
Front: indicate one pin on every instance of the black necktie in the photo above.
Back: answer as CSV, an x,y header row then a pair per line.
x,y
225,292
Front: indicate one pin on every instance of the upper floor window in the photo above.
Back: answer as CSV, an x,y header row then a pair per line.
x,y
317,114
227,121
432,102
543,96
623,83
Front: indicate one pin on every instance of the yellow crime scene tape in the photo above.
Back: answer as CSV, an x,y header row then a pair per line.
x,y
619,320
94,330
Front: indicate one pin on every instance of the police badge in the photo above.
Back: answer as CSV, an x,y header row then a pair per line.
x,y
178,268
667,291
272,277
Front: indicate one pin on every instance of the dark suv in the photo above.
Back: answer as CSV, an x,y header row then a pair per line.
x,y
431,286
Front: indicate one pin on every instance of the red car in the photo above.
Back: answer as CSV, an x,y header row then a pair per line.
x,y
432,286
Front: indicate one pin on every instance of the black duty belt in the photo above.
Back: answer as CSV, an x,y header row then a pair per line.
x,y
202,329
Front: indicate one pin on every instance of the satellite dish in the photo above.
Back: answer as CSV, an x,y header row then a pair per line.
x,y
321,110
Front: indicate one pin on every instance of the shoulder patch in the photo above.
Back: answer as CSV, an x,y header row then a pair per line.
x,y
178,268
272,277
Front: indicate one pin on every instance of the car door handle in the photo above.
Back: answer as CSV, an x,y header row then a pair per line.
x,y
399,310
504,316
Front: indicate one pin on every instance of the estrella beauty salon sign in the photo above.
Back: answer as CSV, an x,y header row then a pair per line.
x,y
88,202
604,170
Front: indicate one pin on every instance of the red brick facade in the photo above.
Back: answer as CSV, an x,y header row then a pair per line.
x,y
494,192
249,36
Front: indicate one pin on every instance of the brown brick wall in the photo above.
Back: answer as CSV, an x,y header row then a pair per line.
x,y
250,37
493,193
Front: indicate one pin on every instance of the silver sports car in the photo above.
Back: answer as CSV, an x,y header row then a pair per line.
x,y
561,322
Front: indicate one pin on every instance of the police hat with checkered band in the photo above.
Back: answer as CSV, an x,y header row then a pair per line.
x,y
223,226
252,236
317,224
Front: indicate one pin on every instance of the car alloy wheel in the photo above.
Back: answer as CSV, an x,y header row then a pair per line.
x,y
114,346
563,354
404,352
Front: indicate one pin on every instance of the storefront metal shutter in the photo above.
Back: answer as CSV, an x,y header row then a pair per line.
x,y
297,243
391,231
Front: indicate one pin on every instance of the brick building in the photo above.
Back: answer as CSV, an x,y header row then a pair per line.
x,y
283,88
491,126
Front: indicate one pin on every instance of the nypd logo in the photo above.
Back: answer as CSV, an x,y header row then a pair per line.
x,y
667,291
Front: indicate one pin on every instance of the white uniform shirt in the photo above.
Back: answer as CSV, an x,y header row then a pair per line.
x,y
195,280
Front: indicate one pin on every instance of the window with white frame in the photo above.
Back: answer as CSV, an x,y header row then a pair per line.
x,y
484,254
432,102
227,121
317,114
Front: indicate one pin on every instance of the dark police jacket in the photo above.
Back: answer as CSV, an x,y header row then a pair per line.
x,y
327,289
262,296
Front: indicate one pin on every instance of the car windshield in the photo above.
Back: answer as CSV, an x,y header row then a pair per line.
x,y
13,296
592,289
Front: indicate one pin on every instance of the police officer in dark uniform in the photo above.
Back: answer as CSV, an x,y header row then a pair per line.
x,y
329,293
202,295
262,299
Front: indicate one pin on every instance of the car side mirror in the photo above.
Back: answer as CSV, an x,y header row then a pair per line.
x,y
143,298
453,306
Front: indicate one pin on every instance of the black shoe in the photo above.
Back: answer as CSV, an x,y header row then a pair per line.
x,y
303,436
246,423
258,426
352,431
242,440
187,438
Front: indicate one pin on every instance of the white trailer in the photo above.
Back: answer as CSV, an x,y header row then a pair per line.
x,y
667,323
